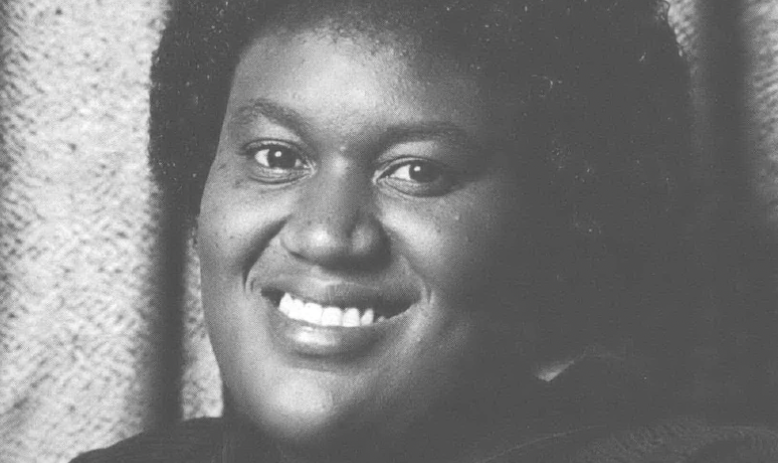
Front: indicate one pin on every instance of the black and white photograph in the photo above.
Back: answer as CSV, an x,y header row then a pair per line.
x,y
388,231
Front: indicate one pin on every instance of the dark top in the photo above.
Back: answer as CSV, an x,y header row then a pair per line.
x,y
682,440
594,413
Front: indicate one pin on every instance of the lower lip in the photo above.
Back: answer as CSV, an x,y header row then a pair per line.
x,y
305,339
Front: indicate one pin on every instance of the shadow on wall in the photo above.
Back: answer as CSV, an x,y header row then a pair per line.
x,y
734,242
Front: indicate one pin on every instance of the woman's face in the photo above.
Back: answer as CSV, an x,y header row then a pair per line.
x,y
354,234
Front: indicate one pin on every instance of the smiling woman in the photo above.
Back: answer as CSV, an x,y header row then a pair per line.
x,y
336,206
408,212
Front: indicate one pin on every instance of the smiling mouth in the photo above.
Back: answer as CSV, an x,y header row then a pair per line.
x,y
316,314
297,308
321,319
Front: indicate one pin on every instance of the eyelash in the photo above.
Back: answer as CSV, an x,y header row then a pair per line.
x,y
442,179
266,172
397,175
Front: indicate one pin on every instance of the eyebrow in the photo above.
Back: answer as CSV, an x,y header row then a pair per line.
x,y
401,133
434,130
260,107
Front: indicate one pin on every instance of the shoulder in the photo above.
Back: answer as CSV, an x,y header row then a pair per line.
x,y
637,425
193,441
684,440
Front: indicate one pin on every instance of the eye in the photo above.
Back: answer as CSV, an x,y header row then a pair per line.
x,y
416,172
277,162
419,178
276,156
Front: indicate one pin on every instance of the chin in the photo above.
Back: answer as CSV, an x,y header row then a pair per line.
x,y
305,416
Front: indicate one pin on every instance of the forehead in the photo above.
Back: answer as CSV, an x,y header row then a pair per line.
x,y
384,77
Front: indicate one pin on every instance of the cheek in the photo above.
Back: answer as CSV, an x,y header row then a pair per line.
x,y
463,245
237,223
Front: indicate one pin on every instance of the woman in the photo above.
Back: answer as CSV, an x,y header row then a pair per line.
x,y
415,219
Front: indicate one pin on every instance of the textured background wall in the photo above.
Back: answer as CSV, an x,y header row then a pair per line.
x,y
761,26
80,314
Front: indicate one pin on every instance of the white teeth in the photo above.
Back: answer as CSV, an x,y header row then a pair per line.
x,y
351,317
312,313
332,316
367,317
285,306
316,314
296,310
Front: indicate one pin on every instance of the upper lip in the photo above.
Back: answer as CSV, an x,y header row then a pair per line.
x,y
387,300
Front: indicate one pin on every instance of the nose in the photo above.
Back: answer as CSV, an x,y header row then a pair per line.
x,y
334,224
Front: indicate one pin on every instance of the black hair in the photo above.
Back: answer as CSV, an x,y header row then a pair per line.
x,y
604,97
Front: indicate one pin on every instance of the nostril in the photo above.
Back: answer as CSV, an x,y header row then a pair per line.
x,y
333,242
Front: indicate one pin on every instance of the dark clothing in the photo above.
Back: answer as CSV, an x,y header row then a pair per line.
x,y
673,441
593,413
195,441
